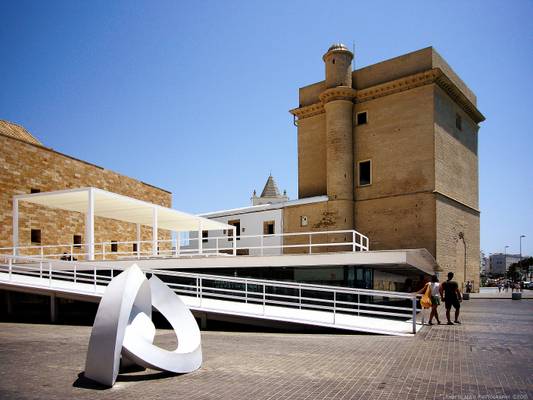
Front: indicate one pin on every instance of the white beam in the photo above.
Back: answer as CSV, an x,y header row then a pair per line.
x,y
234,241
89,225
138,238
154,231
15,226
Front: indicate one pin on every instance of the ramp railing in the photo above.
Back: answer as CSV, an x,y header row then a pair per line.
x,y
334,300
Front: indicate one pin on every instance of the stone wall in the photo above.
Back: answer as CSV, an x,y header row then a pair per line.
x,y
312,180
453,219
25,166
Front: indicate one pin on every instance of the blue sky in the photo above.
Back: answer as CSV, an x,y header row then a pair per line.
x,y
194,96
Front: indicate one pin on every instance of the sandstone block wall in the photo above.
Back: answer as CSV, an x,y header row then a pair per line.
x,y
424,189
24,166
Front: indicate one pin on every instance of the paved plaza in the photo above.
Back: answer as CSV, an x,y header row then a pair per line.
x,y
489,356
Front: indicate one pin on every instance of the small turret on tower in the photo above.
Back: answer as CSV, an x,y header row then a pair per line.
x,y
338,61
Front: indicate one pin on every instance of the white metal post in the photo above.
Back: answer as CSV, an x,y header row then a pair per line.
x,y
310,243
353,241
234,241
15,226
262,243
178,244
154,231
89,225
200,238
414,314
10,263
138,237
334,306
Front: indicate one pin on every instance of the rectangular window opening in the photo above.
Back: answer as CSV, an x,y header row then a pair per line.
x,y
361,118
458,122
36,236
35,190
134,247
76,240
269,227
205,235
365,173
237,224
114,246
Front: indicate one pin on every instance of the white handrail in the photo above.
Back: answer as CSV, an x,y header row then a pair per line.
x,y
223,245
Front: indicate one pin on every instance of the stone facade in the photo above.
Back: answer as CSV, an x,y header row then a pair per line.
x,y
26,165
418,135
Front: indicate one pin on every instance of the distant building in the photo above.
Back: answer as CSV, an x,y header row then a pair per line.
x,y
499,263
484,264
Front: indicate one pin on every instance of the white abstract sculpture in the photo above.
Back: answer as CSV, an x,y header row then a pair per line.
x,y
123,326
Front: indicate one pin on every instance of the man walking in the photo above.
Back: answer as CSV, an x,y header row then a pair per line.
x,y
452,297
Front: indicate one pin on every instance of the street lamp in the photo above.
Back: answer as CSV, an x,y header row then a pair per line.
x,y
505,259
462,237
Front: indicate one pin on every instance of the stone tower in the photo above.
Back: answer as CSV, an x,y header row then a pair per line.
x,y
337,99
392,150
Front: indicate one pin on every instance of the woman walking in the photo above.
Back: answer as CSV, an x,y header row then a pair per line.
x,y
433,288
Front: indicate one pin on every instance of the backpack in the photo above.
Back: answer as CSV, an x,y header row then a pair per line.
x,y
425,301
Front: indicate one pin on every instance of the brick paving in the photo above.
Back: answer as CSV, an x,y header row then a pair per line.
x,y
488,357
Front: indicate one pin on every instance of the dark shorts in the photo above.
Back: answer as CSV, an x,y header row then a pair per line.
x,y
452,302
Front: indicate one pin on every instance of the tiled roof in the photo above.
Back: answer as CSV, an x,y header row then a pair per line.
x,y
270,189
18,132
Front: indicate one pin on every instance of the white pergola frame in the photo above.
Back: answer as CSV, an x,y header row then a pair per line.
x,y
93,202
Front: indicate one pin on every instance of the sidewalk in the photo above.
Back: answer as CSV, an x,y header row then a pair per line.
x,y
488,356
492,293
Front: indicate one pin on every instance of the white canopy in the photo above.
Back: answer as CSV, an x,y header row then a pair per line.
x,y
101,203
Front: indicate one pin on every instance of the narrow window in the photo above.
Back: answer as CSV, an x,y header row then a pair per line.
x,y
237,224
34,190
114,246
268,227
458,122
365,173
36,236
361,118
134,249
303,220
76,240
205,235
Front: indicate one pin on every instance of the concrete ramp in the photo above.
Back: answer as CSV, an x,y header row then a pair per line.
x,y
361,310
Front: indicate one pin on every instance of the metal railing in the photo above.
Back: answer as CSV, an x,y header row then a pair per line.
x,y
279,243
334,300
